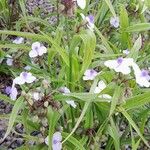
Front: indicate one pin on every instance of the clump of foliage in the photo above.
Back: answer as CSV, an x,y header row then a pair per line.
x,y
82,82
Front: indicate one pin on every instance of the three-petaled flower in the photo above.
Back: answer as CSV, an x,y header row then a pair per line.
x,y
142,76
120,65
89,20
18,40
114,21
56,141
37,50
25,77
90,74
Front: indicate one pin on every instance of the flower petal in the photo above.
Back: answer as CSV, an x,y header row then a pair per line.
x,y
19,80
33,53
111,64
57,136
81,3
30,78
42,50
36,45
14,93
71,103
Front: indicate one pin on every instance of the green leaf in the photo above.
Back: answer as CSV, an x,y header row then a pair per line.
x,y
6,99
115,99
137,101
17,106
89,41
114,133
133,124
138,27
86,105
124,23
104,41
74,141
108,2
135,49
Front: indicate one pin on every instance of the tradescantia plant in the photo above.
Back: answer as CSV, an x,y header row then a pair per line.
x,y
82,83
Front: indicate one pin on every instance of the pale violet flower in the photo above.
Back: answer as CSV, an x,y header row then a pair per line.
x,y
56,141
9,61
114,21
27,68
120,65
12,92
25,77
90,21
18,40
101,86
126,51
142,76
90,74
65,90
37,50
81,3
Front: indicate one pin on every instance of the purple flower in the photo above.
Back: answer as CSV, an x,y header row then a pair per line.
x,y
18,40
90,21
90,74
12,92
37,50
25,77
120,65
56,141
114,21
142,76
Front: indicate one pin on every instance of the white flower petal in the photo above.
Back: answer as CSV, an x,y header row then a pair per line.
x,y
57,146
105,96
33,53
36,96
123,69
57,136
18,40
27,68
83,16
9,61
72,103
14,93
30,78
111,64
101,85
19,80
81,3
36,45
46,140
42,50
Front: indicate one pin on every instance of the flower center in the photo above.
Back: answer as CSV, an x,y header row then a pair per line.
x,y
144,73
55,141
25,74
119,60
91,18
36,48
